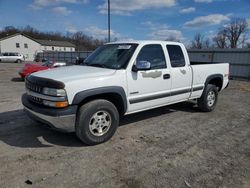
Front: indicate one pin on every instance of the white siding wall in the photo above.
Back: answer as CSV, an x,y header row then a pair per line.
x,y
57,48
9,45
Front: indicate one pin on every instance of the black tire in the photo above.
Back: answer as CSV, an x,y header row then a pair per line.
x,y
18,61
209,98
85,117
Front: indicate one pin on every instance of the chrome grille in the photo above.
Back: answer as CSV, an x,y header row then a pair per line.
x,y
33,87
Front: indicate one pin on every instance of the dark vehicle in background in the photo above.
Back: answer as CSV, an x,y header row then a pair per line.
x,y
79,60
11,57
37,59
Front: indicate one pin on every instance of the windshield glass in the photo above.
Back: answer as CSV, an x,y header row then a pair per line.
x,y
112,56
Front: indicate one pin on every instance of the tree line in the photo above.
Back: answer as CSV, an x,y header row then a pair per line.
x,y
232,35
79,39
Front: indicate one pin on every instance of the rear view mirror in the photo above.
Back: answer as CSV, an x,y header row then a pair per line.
x,y
141,66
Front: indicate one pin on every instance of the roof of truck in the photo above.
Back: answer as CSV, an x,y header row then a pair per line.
x,y
145,42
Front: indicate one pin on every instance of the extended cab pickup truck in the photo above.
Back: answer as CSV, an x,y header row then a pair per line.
x,y
118,79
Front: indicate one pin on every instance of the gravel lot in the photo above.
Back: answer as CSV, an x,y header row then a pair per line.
x,y
175,146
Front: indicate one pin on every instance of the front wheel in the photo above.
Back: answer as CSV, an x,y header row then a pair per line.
x,y
209,98
18,61
96,121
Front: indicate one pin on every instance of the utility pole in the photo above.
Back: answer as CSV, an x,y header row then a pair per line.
x,y
108,20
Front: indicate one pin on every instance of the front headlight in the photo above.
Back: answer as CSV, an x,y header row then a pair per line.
x,y
54,92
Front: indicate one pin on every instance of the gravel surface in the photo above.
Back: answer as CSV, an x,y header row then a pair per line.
x,y
173,146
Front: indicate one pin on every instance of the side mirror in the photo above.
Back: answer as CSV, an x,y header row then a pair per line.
x,y
141,66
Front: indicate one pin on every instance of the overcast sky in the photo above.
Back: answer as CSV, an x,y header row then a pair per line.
x,y
130,19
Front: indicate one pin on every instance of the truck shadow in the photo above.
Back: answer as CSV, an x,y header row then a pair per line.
x,y
184,106
18,130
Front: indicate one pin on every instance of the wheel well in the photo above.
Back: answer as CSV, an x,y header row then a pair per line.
x,y
114,98
217,81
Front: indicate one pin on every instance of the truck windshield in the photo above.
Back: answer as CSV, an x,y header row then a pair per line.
x,y
112,56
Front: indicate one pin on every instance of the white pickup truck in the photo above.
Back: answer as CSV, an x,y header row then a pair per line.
x,y
117,79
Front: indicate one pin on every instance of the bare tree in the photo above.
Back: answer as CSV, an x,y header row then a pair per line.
x,y
84,42
197,41
79,39
7,31
207,43
243,40
235,31
220,39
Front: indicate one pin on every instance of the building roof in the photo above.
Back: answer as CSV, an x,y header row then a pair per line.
x,y
54,43
43,42
9,36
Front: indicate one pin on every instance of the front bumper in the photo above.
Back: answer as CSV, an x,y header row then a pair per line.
x,y
59,119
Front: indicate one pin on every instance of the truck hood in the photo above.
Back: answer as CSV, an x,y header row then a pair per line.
x,y
71,73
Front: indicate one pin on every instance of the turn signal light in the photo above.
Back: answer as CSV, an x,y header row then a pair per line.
x,y
61,104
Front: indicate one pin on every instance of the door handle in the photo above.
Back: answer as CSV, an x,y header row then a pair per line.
x,y
166,76
183,71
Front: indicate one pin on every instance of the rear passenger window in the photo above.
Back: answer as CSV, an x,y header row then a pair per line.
x,y
152,53
176,56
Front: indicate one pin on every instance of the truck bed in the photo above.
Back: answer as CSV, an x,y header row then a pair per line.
x,y
201,71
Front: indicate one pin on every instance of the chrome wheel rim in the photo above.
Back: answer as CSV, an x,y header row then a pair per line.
x,y
100,123
211,98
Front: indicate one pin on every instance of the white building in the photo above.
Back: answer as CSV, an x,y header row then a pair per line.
x,y
29,47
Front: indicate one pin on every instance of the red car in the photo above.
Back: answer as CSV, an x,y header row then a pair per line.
x,y
30,67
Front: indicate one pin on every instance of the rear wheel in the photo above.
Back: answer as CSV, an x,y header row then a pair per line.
x,y
96,121
209,98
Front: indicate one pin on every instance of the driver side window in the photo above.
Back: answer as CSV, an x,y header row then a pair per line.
x,y
154,54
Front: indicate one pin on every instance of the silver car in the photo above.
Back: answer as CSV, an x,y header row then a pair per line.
x,y
11,57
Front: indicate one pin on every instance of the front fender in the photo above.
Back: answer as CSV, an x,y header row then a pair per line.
x,y
80,96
